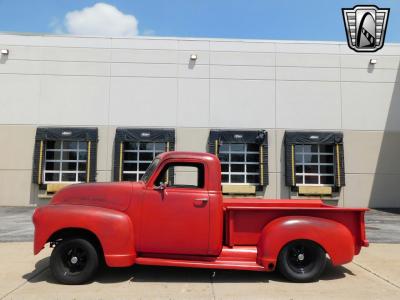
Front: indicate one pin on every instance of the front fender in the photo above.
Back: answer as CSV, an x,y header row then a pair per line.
x,y
113,229
333,236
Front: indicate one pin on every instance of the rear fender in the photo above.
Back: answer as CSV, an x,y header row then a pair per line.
x,y
113,229
332,236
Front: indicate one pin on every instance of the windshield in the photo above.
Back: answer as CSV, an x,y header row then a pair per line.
x,y
150,170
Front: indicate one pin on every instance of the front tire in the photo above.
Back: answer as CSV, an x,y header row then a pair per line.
x,y
302,261
74,261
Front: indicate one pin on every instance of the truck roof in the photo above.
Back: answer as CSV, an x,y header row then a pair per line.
x,y
188,155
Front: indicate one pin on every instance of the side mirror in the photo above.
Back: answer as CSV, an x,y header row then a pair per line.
x,y
161,187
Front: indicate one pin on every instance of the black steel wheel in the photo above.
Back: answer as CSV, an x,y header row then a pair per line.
x,y
74,261
302,261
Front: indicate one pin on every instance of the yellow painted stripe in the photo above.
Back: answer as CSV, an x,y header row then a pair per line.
x,y
261,165
88,162
338,163
167,173
293,167
40,163
121,152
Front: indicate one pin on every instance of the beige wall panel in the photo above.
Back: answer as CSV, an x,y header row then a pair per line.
x,y
242,72
104,148
15,187
143,101
283,191
271,191
143,70
19,99
74,100
369,190
193,102
371,106
242,103
103,176
300,73
192,139
361,150
242,58
308,105
307,60
17,143
280,151
272,148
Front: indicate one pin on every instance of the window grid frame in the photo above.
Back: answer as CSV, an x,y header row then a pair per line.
x,y
303,174
245,163
138,174
60,171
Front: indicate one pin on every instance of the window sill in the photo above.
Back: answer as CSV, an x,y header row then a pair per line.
x,y
243,189
315,190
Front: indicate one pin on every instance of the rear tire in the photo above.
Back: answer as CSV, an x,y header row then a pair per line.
x,y
302,261
74,261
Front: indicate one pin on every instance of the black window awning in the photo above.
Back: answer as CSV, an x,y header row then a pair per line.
x,y
239,136
308,137
66,133
144,135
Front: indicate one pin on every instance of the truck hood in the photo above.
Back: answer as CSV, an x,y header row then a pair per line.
x,y
113,195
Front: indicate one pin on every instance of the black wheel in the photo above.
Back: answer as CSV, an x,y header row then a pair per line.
x,y
74,261
302,261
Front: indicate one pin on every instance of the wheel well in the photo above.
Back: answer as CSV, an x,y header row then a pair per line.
x,y
307,240
66,233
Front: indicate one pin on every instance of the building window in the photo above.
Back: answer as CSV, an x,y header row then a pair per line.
x,y
314,159
314,164
137,157
65,161
135,149
64,155
244,158
240,163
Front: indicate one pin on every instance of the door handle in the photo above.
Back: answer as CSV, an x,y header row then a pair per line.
x,y
201,200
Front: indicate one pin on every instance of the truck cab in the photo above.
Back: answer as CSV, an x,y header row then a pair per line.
x,y
176,215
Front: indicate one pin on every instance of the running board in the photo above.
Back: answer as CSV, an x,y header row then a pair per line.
x,y
238,258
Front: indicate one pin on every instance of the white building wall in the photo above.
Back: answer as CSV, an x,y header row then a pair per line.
x,y
151,82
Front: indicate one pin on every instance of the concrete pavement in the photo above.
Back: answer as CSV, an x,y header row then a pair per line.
x,y
375,274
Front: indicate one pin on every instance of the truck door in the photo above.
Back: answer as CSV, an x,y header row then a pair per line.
x,y
175,211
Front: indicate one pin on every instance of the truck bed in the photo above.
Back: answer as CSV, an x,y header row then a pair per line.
x,y
245,218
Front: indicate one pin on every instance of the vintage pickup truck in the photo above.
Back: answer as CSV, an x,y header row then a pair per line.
x,y
162,220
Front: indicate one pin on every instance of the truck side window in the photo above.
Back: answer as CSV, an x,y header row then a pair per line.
x,y
184,175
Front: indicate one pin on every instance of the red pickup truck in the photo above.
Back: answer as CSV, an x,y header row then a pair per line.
x,y
163,220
